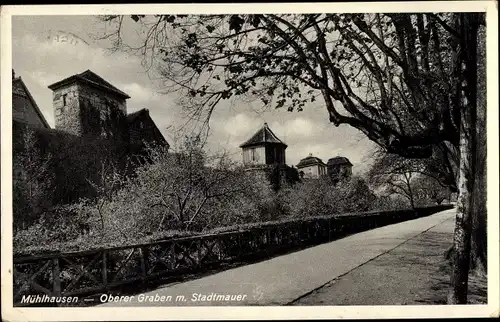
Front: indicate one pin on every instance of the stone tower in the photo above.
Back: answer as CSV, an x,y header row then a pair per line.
x,y
263,148
87,105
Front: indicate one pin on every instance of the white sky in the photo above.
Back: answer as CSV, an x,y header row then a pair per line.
x,y
41,59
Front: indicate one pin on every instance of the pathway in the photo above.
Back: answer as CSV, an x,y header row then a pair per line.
x,y
295,278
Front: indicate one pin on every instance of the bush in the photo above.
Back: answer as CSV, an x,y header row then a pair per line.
x,y
321,197
185,193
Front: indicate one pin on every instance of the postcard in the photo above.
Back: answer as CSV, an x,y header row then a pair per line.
x,y
249,161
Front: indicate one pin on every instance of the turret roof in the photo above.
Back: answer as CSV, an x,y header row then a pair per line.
x,y
310,160
263,136
338,160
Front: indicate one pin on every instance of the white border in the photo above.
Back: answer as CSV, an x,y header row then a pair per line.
x,y
264,312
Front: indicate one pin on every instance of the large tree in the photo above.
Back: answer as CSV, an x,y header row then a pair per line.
x,y
394,174
407,81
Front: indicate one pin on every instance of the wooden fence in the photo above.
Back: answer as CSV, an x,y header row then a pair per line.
x,y
96,271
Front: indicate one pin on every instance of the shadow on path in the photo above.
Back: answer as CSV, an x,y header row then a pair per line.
x,y
414,273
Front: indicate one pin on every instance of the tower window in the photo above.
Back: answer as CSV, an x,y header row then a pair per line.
x,y
64,99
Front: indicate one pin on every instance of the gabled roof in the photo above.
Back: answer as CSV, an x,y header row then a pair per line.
x,y
132,117
263,136
338,160
18,81
90,78
144,114
310,160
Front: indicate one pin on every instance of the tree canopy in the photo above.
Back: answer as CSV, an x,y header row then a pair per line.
x,y
391,76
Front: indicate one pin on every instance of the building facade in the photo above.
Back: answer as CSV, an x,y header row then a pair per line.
x,y
264,148
87,105
339,169
311,167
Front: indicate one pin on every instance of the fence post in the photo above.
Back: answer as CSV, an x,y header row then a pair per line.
x,y
239,243
199,244
105,268
56,277
143,263
329,229
173,257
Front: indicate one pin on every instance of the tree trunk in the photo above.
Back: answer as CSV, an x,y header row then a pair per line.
x,y
410,192
462,234
467,150
479,245
412,202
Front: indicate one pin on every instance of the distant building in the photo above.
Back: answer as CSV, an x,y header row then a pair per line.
x,y
339,168
264,148
264,154
311,167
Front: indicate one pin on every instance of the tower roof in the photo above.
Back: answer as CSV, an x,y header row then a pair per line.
x,y
92,79
309,160
338,160
263,136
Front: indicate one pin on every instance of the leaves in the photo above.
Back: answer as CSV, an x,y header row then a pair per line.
x,y
236,23
255,20
389,75
210,28
136,18
170,18
191,41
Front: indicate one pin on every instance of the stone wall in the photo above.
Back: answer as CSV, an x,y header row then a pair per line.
x,y
83,110
67,109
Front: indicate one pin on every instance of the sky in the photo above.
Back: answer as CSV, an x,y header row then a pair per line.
x,y
47,49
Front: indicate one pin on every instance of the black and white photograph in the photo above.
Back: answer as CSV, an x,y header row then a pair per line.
x,y
338,158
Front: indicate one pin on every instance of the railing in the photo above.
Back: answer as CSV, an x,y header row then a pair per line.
x,y
95,271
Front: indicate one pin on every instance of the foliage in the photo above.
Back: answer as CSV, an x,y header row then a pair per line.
x,y
391,202
393,175
392,73
429,191
417,180
282,174
187,191
320,197
32,180
184,193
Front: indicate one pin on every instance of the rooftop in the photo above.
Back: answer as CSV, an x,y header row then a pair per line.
x,y
131,117
338,160
90,78
309,160
262,136
17,82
